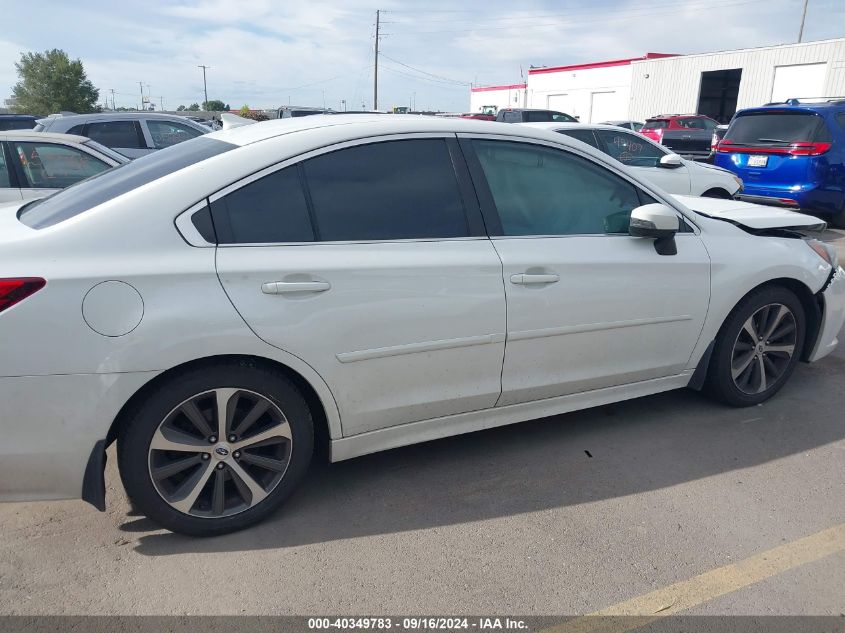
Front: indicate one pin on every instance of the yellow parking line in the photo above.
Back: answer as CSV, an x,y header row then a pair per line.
x,y
704,587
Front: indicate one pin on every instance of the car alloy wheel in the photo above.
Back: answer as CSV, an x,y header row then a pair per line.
x,y
763,349
220,452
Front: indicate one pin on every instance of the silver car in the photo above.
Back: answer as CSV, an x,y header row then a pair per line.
x,y
37,164
133,134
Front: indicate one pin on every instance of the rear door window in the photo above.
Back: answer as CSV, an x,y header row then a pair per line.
x,y
167,133
123,134
272,209
630,149
585,136
512,117
386,191
53,166
5,177
777,128
656,124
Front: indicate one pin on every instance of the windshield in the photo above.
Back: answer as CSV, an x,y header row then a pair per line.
x,y
776,128
111,183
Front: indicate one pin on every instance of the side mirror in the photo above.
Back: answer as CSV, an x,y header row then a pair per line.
x,y
659,222
671,161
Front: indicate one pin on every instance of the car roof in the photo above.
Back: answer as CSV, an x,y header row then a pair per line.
x,y
29,135
798,106
71,119
369,125
551,125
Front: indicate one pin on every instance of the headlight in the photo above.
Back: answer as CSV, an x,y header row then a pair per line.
x,y
738,181
825,251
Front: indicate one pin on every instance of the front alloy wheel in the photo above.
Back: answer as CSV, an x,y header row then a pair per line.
x,y
763,348
757,347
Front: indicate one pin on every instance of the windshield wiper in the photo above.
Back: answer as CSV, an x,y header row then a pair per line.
x,y
772,140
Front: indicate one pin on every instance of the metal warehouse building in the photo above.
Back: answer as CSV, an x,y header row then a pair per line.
x,y
715,84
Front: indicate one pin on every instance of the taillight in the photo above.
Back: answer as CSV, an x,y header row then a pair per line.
x,y
714,142
793,149
15,290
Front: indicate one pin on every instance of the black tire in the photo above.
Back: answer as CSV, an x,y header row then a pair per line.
x,y
716,193
720,379
135,459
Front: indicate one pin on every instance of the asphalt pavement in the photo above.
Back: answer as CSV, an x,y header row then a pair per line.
x,y
670,498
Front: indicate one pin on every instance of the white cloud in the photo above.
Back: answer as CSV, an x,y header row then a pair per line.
x,y
265,52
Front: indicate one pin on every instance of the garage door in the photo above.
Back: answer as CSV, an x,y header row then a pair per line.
x,y
562,103
803,80
603,107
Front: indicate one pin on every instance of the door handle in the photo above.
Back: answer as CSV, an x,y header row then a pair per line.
x,y
524,279
284,287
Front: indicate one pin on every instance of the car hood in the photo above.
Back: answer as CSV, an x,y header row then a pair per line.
x,y
752,216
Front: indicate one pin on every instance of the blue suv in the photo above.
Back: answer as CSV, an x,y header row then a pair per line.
x,y
790,154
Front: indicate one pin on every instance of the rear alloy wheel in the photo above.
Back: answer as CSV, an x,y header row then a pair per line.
x,y
758,347
216,450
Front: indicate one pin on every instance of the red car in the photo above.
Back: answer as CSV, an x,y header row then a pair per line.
x,y
478,115
686,134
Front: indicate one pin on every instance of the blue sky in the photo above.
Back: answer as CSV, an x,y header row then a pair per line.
x,y
266,53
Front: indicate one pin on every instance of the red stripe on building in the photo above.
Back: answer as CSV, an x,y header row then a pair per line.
x,y
510,87
608,64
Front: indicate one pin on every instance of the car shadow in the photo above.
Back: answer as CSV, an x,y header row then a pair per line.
x,y
603,453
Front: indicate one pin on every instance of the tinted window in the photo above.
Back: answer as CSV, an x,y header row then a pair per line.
x,y
167,133
656,124
630,149
77,129
840,118
512,117
585,136
691,124
386,191
269,210
115,182
5,180
543,191
561,117
777,128
52,166
16,124
122,134
538,117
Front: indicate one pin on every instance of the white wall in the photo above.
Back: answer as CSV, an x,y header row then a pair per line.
x,y
671,85
591,94
501,98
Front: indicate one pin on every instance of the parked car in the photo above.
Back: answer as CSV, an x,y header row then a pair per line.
x,y
377,281
479,116
36,164
651,160
293,112
790,154
530,115
132,134
686,134
718,134
16,122
636,126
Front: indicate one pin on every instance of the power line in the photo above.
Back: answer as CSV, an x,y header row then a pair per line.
x,y
439,77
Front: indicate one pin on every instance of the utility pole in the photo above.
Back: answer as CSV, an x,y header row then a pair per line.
x,y
141,84
161,103
112,98
204,85
803,17
375,67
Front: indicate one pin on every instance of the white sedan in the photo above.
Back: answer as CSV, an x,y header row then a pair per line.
x,y
36,164
651,160
375,281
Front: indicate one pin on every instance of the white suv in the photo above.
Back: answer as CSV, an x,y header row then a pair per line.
x,y
376,281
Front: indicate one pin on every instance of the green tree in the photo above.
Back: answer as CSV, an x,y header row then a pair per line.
x,y
181,108
227,107
194,107
215,105
51,82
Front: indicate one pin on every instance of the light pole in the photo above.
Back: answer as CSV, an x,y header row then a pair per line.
x,y
803,17
204,85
